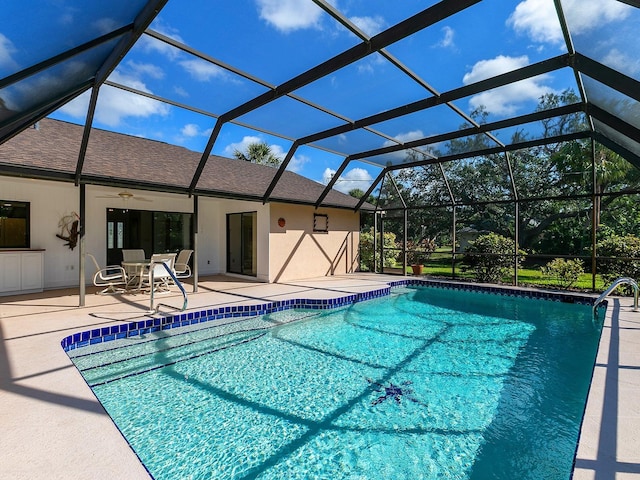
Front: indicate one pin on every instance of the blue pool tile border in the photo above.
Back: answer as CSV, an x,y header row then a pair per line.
x,y
141,327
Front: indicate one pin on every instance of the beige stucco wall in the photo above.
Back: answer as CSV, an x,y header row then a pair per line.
x,y
283,254
297,252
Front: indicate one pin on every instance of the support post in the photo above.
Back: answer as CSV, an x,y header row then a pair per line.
x,y
453,244
404,243
516,235
195,244
81,252
375,242
381,242
594,214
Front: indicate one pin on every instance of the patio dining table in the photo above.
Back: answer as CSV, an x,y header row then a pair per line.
x,y
136,271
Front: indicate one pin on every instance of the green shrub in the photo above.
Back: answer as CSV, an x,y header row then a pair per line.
x,y
490,257
626,248
366,249
564,272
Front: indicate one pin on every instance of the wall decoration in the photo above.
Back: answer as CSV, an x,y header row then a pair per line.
x,y
281,222
68,226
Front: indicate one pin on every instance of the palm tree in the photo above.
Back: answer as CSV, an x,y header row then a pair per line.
x,y
260,153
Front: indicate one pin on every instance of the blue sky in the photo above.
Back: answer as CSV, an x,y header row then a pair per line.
x,y
274,40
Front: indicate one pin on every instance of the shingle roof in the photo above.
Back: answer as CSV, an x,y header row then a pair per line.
x,y
114,158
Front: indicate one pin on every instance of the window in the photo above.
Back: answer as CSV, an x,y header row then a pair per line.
x,y
14,224
320,222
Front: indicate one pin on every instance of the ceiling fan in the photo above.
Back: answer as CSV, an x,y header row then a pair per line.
x,y
125,195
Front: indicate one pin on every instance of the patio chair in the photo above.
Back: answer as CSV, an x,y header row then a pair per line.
x,y
158,273
109,277
134,255
181,267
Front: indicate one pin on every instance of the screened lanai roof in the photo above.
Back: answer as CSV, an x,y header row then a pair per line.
x,y
343,91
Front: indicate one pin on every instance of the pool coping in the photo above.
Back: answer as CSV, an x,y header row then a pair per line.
x,y
142,327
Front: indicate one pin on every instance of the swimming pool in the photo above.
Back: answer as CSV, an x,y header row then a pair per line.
x,y
422,383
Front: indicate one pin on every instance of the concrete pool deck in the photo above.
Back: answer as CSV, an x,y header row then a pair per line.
x,y
53,427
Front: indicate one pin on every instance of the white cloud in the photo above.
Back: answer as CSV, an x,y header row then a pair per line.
x,y
504,100
289,15
621,62
354,178
447,39
402,138
369,25
150,44
297,163
368,64
66,19
242,145
180,91
405,137
148,69
190,130
114,105
201,70
105,25
539,21
6,51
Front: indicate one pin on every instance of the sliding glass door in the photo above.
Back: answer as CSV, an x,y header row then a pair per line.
x,y
155,232
241,243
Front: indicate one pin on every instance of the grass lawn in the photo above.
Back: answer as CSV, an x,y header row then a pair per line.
x,y
439,265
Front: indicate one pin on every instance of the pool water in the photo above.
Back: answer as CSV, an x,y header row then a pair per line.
x,y
427,383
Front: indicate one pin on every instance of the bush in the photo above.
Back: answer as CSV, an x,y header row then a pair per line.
x,y
419,252
491,257
627,249
366,249
565,272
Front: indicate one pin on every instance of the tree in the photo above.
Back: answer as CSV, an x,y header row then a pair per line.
x,y
548,174
359,193
260,153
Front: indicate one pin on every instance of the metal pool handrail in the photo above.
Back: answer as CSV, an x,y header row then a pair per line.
x,y
175,280
612,287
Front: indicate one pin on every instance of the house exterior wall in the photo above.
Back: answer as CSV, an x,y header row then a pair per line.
x,y
49,202
298,252
283,254
225,207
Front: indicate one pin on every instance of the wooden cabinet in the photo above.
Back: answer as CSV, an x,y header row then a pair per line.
x,y
21,271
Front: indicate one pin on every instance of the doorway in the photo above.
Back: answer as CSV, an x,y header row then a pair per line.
x,y
242,244
154,232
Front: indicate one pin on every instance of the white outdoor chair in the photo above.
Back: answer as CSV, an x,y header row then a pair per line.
x,y
133,255
158,273
181,267
110,277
